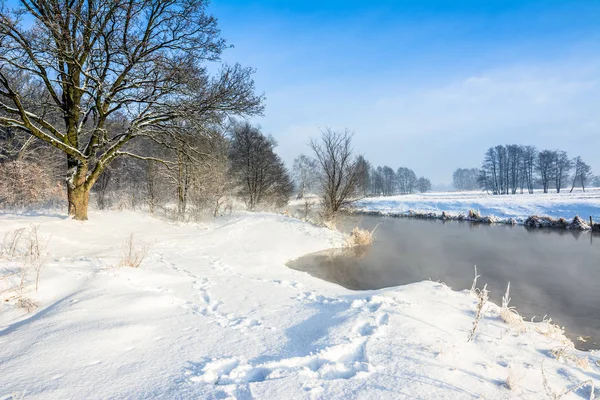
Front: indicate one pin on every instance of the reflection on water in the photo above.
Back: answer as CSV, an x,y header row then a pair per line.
x,y
552,272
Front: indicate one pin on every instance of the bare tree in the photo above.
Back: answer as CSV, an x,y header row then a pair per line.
x,y
529,157
102,189
490,174
305,173
562,166
259,172
340,172
95,60
465,178
545,160
583,173
423,184
406,180
364,182
514,155
389,181
377,184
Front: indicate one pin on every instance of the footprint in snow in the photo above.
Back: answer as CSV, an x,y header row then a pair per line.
x,y
342,361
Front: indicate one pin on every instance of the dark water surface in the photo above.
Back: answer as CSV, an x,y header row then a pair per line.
x,y
551,272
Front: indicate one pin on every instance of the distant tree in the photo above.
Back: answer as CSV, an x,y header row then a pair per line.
x,y
389,181
490,174
562,165
423,184
340,171
364,181
406,180
514,154
377,185
545,162
582,174
305,171
465,178
595,182
259,173
528,166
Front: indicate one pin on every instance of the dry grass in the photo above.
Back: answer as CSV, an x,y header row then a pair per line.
x,y
552,394
509,314
565,353
551,330
482,298
330,224
360,237
133,255
27,304
512,380
9,248
25,252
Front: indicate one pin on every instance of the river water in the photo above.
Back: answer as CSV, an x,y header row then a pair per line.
x,y
551,272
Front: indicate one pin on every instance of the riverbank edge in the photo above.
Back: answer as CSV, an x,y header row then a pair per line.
x,y
473,216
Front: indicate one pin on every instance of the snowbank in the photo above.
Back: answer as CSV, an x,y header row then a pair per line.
x,y
214,313
509,208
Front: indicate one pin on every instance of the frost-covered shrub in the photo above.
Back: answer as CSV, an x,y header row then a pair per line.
x,y
133,254
360,237
26,184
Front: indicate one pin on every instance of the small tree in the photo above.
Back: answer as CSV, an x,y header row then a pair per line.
x,y
583,173
545,162
259,173
364,180
423,184
562,166
340,172
305,173
465,178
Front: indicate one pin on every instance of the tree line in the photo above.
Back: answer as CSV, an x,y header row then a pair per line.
x,y
368,180
512,169
384,181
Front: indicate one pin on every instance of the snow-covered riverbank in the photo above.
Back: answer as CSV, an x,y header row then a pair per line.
x,y
518,207
213,312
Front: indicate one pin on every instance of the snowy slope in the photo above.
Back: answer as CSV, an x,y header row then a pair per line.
x,y
518,206
214,313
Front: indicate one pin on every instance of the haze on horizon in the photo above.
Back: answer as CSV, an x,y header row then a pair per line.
x,y
428,85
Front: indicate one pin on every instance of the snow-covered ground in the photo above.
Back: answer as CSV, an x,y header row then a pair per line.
x,y
518,206
213,312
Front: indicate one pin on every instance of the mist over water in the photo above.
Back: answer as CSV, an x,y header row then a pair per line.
x,y
551,272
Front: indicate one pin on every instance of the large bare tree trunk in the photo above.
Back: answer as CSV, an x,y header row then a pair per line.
x,y
79,198
78,190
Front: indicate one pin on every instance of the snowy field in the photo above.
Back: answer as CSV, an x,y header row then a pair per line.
x,y
518,206
214,313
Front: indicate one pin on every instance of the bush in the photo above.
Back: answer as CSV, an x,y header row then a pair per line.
x,y
26,184
132,255
360,237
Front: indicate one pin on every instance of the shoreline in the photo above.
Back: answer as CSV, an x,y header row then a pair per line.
x,y
533,221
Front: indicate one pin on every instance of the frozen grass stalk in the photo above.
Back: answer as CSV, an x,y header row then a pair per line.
x,y
557,396
482,298
474,285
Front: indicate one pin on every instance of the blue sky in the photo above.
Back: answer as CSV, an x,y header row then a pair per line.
x,y
424,84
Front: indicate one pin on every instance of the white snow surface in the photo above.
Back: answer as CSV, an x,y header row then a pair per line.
x,y
214,313
517,206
